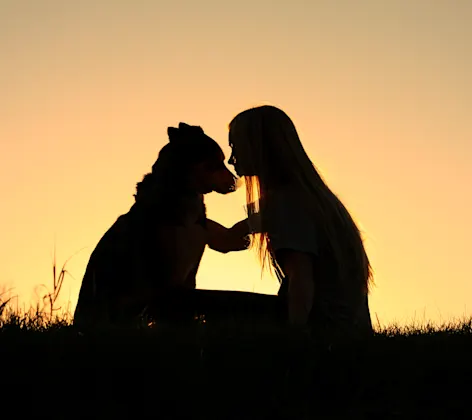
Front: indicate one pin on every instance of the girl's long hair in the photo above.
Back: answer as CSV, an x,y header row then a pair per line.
x,y
266,144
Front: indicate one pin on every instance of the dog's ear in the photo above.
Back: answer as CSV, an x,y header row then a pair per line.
x,y
184,127
173,134
190,129
185,132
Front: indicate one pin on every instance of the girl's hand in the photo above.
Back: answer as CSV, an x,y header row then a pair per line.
x,y
225,240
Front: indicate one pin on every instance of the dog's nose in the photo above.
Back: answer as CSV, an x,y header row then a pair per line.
x,y
230,185
237,183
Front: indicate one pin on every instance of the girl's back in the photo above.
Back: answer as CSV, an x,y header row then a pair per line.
x,y
339,305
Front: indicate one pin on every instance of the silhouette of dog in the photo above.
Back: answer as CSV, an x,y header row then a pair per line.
x,y
152,253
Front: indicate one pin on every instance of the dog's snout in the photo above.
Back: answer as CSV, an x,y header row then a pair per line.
x,y
226,182
238,183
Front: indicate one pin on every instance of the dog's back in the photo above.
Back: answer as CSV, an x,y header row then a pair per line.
x,y
108,270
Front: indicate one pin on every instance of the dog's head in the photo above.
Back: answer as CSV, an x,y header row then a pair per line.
x,y
198,158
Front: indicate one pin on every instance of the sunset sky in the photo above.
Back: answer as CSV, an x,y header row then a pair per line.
x,y
380,92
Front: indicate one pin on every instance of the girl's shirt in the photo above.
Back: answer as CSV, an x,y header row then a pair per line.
x,y
289,224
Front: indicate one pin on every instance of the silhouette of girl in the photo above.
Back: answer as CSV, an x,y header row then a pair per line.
x,y
303,231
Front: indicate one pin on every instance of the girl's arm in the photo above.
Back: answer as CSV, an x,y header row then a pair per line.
x,y
298,267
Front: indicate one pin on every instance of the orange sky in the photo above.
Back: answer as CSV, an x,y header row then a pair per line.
x,y
379,91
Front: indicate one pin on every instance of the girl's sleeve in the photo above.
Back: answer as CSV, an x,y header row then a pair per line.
x,y
290,225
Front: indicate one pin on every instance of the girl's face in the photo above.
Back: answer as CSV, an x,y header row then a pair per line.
x,y
232,161
237,159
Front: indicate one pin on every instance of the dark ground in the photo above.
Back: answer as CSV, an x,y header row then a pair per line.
x,y
234,370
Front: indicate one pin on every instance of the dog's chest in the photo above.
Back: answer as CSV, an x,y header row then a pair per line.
x,y
190,244
185,242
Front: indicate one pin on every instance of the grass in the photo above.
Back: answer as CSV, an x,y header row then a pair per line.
x,y
230,369
237,371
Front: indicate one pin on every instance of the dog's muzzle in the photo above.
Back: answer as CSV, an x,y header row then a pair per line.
x,y
237,184
226,182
